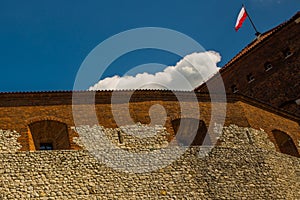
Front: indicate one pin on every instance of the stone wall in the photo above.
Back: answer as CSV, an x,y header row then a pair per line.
x,y
19,110
130,137
238,168
8,141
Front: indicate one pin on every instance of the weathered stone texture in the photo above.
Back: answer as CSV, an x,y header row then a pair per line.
x,y
131,137
18,111
8,141
236,169
234,136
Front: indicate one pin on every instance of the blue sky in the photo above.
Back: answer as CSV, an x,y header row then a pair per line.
x,y
43,43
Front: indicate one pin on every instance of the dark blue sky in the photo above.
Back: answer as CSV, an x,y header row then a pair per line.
x,y
43,43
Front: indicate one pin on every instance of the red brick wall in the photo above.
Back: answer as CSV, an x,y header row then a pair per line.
x,y
258,118
277,85
19,110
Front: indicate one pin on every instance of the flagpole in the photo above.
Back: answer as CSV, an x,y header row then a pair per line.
x,y
256,31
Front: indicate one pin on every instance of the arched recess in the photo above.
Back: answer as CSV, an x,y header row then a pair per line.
x,y
184,129
285,143
49,135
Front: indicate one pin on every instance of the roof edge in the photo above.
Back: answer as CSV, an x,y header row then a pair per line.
x,y
251,46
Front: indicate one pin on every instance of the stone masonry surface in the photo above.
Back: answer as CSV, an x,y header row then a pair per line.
x,y
238,168
21,112
130,137
8,141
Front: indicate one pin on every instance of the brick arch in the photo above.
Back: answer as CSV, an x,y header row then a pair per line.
x,y
24,126
284,143
183,127
48,131
43,118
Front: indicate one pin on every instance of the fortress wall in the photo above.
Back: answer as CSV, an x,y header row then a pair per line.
x,y
270,121
8,141
279,84
18,111
234,170
18,118
135,137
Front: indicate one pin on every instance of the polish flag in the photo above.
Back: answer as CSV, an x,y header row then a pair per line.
x,y
241,18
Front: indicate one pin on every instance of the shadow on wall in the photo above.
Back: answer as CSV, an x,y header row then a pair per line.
x,y
49,135
184,129
285,143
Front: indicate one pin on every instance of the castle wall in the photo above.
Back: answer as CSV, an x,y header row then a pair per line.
x,y
237,169
278,84
18,111
271,122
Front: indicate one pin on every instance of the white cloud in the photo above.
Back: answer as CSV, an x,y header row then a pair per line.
x,y
187,74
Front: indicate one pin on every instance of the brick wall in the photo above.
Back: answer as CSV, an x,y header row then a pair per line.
x,y
279,85
19,110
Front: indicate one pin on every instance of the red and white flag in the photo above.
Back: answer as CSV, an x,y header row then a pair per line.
x,y
241,18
